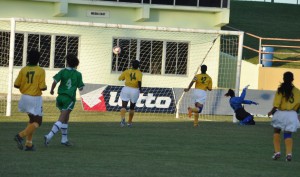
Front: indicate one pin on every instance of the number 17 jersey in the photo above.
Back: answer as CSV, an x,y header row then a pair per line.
x,y
31,80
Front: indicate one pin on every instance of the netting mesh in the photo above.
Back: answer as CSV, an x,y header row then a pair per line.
x,y
4,62
169,60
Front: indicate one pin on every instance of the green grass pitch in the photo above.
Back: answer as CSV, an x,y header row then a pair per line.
x,y
155,147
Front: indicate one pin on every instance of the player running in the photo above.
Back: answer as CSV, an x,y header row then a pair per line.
x,y
131,91
31,82
285,106
70,79
203,83
236,104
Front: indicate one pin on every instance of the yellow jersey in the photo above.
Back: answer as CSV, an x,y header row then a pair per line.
x,y
203,82
131,77
293,103
31,80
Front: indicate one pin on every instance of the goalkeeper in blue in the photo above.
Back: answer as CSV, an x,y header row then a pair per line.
x,y
236,104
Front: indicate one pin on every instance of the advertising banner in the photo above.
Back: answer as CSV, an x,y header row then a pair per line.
x,y
97,97
102,98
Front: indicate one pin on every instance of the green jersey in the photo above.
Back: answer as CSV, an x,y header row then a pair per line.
x,y
70,79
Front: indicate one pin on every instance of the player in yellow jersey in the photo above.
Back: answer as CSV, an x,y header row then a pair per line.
x,y
131,91
285,106
31,83
203,83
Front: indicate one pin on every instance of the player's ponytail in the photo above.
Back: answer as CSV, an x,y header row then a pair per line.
x,y
287,86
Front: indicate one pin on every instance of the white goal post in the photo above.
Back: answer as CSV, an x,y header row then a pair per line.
x,y
169,57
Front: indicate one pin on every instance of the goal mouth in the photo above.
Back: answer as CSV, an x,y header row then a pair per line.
x,y
169,59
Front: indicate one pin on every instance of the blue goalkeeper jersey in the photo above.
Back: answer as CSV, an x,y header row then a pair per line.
x,y
236,102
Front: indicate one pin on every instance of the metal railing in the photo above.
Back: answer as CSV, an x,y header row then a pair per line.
x,y
297,2
278,47
191,3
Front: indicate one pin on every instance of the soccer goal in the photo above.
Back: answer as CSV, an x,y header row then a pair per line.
x,y
169,59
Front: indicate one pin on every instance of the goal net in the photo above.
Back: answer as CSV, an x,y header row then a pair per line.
x,y
169,59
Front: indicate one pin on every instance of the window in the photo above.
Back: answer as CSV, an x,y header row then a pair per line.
x,y
156,57
4,48
42,42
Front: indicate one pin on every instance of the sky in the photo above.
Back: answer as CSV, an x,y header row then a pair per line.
x,y
278,1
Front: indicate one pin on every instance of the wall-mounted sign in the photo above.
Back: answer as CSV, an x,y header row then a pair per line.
x,y
101,14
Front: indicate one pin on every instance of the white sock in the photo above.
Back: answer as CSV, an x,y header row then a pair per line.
x,y
56,126
64,133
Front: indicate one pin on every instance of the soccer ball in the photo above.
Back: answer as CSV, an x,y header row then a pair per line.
x,y
116,50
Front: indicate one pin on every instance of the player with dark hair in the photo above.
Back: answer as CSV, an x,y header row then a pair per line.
x,y
31,82
131,91
285,106
203,83
236,104
70,79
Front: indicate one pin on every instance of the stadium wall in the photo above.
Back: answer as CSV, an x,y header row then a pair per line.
x,y
118,13
96,60
270,77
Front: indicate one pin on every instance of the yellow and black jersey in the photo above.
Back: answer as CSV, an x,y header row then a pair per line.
x,y
131,77
203,82
293,103
31,80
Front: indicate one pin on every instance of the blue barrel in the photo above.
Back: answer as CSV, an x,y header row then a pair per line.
x,y
268,56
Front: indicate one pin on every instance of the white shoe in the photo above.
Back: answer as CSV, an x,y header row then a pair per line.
x,y
122,123
276,156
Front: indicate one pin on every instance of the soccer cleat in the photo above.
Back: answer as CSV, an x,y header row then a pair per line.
x,y
288,158
46,141
67,143
19,141
27,148
196,125
252,122
276,156
190,112
129,125
122,123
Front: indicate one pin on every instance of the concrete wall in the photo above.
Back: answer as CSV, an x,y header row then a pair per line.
x,y
118,13
96,43
270,77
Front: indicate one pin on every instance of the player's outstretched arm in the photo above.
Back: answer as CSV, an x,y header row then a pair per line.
x,y
189,87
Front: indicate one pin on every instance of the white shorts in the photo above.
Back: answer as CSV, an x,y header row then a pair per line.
x,y
199,96
130,94
285,120
31,105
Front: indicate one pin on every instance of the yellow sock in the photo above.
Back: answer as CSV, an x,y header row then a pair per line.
x,y
28,140
123,112
276,142
288,145
29,129
131,113
196,117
